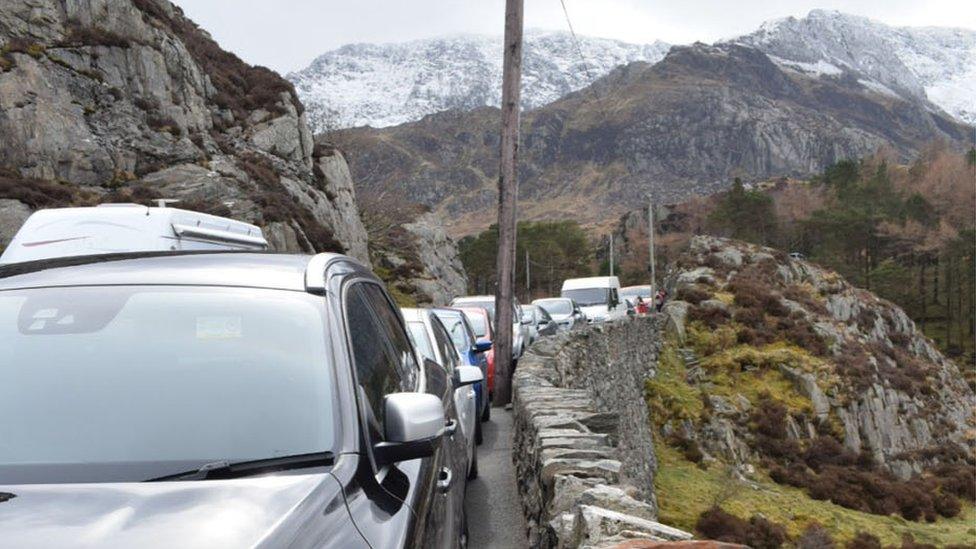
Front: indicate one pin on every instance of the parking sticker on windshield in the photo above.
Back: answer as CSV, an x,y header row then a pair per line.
x,y
219,327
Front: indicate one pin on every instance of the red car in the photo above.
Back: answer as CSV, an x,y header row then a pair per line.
x,y
481,323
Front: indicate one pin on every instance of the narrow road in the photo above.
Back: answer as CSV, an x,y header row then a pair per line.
x,y
494,512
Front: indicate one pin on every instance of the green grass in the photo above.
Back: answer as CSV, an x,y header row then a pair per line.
x,y
684,491
668,395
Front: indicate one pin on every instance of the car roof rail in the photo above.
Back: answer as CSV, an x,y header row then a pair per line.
x,y
315,270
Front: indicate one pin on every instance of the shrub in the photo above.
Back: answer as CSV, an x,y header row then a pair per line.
x,y
692,294
803,296
39,193
764,534
689,448
947,505
718,525
164,124
757,532
864,540
815,536
712,317
82,35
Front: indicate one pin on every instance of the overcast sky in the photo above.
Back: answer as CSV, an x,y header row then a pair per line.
x,y
287,34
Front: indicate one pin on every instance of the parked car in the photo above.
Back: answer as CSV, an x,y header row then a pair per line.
x,y
540,323
631,293
481,325
220,400
599,296
472,353
435,350
487,302
563,310
114,228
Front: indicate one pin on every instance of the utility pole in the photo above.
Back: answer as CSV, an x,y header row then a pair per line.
x,y
528,279
507,195
611,254
650,244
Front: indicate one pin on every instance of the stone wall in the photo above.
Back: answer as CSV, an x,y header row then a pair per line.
x,y
583,449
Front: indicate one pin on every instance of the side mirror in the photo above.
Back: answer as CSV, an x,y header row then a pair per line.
x,y
482,346
526,320
467,375
414,424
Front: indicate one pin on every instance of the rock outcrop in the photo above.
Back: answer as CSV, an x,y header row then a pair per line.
x,y
127,100
858,366
583,449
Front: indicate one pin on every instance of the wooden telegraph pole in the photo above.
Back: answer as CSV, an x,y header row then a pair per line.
x,y
507,194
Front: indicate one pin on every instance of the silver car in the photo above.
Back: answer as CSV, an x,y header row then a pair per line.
x,y
434,348
564,311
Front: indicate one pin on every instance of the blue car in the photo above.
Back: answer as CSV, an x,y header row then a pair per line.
x,y
472,353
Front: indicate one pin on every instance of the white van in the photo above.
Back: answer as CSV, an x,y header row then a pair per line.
x,y
120,228
598,296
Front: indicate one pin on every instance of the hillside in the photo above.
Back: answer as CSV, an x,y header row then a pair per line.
x,y
387,84
133,102
805,400
681,127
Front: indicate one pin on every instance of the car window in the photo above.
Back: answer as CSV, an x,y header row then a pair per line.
x,y
376,364
418,334
387,314
444,345
456,329
586,297
478,323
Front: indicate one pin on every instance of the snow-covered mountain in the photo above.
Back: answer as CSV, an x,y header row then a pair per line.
x,y
387,84
383,85
933,63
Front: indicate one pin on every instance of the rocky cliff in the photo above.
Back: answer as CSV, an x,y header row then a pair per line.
x,y
777,367
127,100
683,126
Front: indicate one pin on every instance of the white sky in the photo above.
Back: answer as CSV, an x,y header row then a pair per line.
x,y
287,34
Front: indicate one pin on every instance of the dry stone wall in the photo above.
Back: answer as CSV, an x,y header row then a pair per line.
x,y
583,449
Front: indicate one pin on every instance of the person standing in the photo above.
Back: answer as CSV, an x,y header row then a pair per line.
x,y
659,299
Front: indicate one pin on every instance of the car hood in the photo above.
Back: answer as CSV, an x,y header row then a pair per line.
x,y
211,513
594,312
561,318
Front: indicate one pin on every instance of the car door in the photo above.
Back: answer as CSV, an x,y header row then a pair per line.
x,y
464,397
398,505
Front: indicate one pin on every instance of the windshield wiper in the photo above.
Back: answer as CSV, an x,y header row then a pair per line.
x,y
226,469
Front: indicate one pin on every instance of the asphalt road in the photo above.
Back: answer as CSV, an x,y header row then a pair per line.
x,y
494,511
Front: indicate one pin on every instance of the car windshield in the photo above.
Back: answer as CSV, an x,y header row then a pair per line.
x,y
557,306
588,296
105,384
418,333
478,324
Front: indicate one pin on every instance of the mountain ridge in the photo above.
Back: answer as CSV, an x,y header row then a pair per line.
x,y
685,125
388,84
381,85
